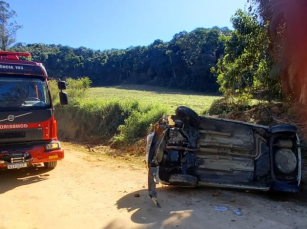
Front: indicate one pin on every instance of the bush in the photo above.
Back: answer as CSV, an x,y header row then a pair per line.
x,y
226,105
138,124
76,89
54,91
122,122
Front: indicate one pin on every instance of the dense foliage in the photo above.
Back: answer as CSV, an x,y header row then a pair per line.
x,y
184,62
288,34
246,66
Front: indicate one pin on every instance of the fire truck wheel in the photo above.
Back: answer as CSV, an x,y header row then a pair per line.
x,y
50,165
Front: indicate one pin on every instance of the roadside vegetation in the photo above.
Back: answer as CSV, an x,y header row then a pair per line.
x,y
118,115
116,121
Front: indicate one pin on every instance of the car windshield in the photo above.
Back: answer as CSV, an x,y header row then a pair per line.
x,y
23,93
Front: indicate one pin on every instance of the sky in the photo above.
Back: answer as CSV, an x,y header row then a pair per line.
x,y
107,24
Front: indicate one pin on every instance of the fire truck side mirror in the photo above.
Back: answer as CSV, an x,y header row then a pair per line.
x,y
61,85
63,98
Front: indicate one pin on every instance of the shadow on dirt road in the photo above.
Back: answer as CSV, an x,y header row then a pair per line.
x,y
10,179
176,208
182,207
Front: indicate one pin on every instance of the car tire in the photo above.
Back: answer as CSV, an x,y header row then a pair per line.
x,y
50,165
186,113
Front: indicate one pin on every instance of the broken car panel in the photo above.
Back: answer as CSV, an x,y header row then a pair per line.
x,y
190,150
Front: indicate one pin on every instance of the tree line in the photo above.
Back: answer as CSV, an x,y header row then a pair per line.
x,y
264,55
184,62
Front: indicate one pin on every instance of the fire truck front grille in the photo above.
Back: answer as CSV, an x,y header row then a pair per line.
x,y
12,135
15,157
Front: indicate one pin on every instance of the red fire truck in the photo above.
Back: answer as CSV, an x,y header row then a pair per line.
x,y
28,129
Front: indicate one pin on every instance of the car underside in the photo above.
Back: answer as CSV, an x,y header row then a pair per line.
x,y
190,150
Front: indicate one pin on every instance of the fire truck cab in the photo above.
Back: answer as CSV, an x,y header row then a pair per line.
x,y
28,129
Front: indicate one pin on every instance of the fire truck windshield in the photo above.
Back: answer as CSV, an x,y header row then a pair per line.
x,y
23,93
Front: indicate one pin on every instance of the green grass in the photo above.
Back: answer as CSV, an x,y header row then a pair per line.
x,y
171,99
119,115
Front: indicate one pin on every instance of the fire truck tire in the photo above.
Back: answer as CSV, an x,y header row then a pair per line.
x,y
50,165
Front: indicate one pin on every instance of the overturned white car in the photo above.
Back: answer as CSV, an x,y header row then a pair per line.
x,y
190,150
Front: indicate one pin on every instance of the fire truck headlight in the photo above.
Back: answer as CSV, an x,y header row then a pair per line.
x,y
53,146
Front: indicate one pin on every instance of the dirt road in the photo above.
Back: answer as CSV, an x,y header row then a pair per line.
x,y
99,193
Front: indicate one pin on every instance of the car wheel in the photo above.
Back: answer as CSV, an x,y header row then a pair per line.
x,y
187,114
50,165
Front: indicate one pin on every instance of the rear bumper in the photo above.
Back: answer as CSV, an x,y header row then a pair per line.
x,y
284,187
